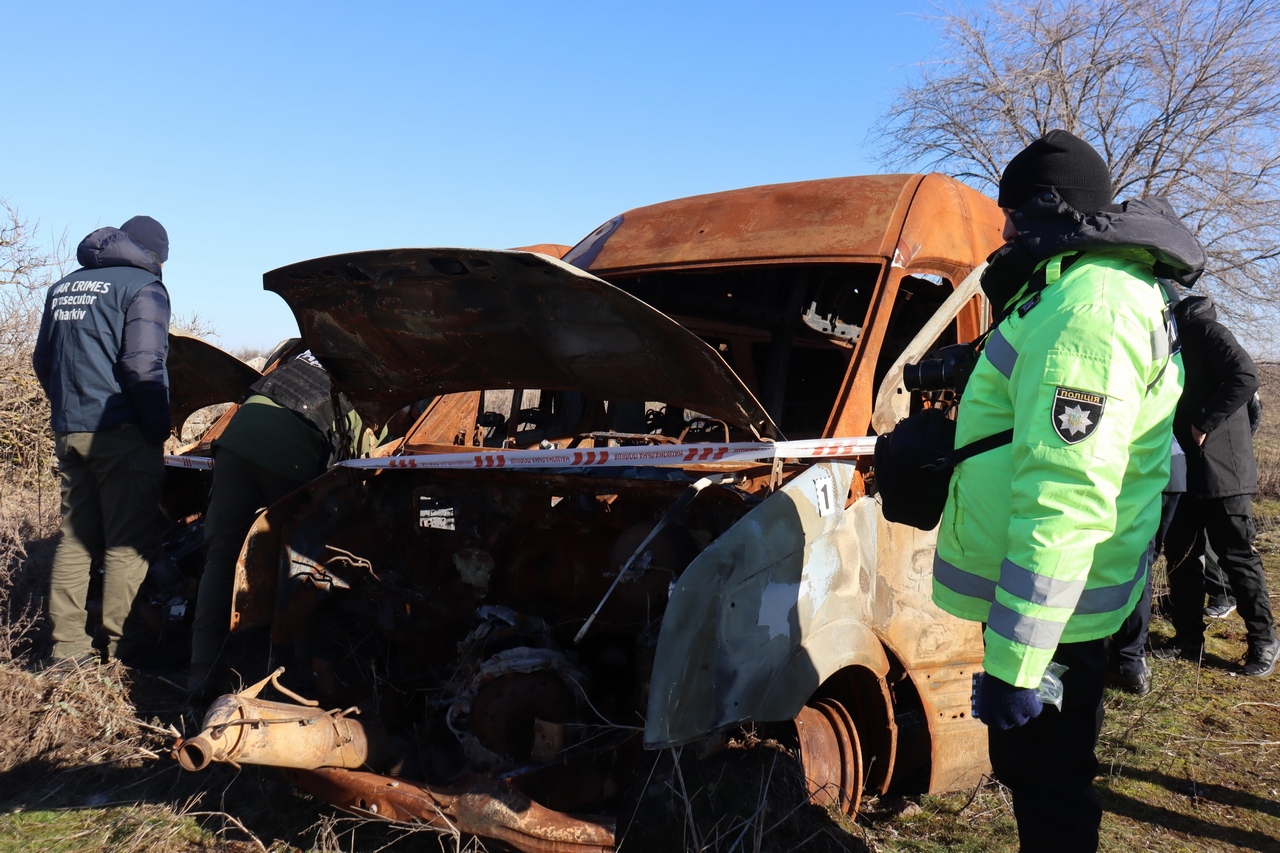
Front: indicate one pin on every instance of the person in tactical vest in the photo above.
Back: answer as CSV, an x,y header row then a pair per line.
x,y
1044,539
100,357
283,435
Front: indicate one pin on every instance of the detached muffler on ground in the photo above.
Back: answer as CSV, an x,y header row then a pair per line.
x,y
320,751
240,728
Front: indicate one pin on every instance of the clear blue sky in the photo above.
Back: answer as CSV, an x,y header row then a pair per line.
x,y
265,133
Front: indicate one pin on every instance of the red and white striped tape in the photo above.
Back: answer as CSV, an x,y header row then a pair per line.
x,y
200,463
603,457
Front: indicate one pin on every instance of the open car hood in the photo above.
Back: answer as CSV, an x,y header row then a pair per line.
x,y
400,325
202,375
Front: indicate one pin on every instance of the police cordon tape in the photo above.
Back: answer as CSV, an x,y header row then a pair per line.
x,y
603,457
200,463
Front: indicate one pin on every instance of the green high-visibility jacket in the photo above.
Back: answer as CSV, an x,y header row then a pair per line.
x,y
1044,539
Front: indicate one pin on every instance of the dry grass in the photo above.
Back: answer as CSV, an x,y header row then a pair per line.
x,y
29,515
26,442
71,719
1266,444
749,797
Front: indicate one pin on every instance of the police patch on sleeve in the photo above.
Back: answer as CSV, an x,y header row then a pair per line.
x,y
1076,413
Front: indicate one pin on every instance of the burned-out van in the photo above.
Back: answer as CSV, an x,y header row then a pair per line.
x,y
635,512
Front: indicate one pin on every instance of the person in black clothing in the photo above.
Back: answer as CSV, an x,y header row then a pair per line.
x,y
1212,425
1127,666
1221,602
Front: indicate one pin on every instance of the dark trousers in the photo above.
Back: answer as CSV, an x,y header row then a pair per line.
x,y
1128,646
241,490
1049,764
1227,523
1216,586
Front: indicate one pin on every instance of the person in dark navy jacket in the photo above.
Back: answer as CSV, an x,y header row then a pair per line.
x,y
100,357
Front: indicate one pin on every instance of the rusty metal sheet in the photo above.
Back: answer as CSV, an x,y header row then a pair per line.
x,y
447,417
903,614
401,325
838,219
957,741
767,612
485,807
940,653
950,228
255,586
202,375
555,250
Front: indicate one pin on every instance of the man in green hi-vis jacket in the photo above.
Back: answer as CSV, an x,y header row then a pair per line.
x,y
1043,539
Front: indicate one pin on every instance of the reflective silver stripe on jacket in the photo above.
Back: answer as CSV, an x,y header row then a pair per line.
x,y
1001,354
959,581
1027,630
1038,589
1108,599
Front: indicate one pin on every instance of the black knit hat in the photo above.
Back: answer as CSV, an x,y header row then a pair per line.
x,y
1061,161
150,235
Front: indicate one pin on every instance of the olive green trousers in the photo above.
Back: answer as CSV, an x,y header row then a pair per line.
x,y
110,506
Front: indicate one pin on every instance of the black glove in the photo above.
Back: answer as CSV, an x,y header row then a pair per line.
x,y
1003,706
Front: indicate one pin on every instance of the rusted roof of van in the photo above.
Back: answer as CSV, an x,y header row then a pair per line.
x,y
836,219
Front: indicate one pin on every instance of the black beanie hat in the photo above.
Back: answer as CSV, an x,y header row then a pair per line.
x,y
1061,161
150,235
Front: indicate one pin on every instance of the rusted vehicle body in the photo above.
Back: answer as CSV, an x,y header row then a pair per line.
x,y
494,649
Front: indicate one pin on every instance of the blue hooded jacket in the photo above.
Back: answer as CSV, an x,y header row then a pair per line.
x,y
104,338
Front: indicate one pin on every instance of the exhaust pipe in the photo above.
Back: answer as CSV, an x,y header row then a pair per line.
x,y
243,729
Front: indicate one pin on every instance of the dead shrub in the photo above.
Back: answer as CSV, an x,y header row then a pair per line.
x,y
29,513
29,500
71,718
199,421
26,441
1266,443
26,553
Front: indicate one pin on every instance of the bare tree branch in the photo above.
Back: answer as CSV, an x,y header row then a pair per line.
x,y
1182,97
26,268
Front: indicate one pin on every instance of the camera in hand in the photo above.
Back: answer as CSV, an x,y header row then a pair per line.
x,y
948,372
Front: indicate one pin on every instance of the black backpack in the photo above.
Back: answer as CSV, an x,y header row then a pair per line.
x,y
914,462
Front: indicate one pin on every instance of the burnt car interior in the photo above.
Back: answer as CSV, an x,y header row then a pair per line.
x,y
466,650
918,299
787,331
547,418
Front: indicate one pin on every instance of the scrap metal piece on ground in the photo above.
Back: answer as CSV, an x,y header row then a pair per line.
x,y
486,808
